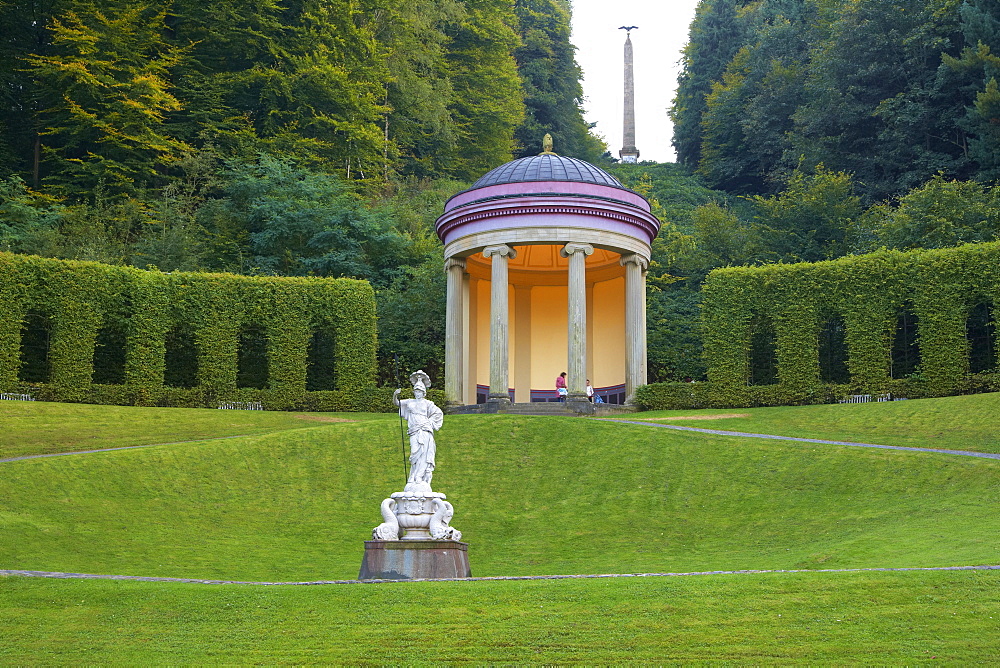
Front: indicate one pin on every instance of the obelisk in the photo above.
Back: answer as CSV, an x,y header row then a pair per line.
x,y
629,152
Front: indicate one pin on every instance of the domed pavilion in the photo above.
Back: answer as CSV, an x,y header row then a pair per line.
x,y
546,261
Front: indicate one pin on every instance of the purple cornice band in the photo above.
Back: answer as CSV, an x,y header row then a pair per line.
x,y
548,204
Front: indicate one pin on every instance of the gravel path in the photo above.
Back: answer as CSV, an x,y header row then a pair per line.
x,y
90,576
720,432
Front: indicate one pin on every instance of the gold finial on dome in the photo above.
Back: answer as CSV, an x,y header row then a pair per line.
x,y
547,145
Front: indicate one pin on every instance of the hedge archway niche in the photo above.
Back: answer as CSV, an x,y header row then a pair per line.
x,y
981,332
321,367
905,357
251,366
36,336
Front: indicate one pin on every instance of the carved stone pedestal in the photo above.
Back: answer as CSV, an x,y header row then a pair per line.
x,y
414,559
414,511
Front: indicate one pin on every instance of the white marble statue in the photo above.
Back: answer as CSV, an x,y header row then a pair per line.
x,y
418,512
423,418
438,527
389,529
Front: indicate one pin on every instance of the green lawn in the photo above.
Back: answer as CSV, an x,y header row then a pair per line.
x,y
533,496
36,427
953,423
908,618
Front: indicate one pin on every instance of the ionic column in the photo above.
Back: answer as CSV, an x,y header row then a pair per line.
x,y
576,355
635,323
499,321
453,367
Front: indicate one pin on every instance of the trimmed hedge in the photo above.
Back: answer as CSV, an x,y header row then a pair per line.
x,y
867,292
82,298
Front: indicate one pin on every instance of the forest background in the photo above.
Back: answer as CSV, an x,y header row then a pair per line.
x,y
322,137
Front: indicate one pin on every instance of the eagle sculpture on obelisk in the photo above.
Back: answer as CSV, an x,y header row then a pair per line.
x,y
629,152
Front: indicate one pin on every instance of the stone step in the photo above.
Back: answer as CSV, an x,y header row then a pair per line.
x,y
538,408
543,408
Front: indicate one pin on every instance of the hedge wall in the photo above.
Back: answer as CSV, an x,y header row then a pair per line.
x,y
79,302
867,293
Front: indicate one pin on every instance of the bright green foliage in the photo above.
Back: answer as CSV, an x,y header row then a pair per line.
x,y
868,291
721,238
304,79
720,160
890,91
411,321
419,92
809,220
683,252
114,94
552,90
748,111
83,299
973,74
26,218
714,39
939,214
105,94
488,105
294,222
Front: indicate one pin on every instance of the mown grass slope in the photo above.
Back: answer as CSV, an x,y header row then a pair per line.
x,y
533,495
773,619
953,423
36,427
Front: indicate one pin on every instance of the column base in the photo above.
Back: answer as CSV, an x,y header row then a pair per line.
x,y
580,405
498,399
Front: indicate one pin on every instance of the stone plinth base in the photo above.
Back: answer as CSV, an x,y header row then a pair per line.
x,y
544,408
415,559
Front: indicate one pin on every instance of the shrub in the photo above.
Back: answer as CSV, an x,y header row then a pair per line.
x,y
866,293
81,299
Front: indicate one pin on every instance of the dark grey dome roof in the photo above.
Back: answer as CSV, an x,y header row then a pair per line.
x,y
547,167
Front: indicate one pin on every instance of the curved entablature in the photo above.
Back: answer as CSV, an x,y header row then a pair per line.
x,y
615,242
548,211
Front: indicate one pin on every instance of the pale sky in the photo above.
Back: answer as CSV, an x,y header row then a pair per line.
x,y
663,30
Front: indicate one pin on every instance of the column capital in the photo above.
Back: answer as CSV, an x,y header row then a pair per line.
x,y
574,247
454,262
500,249
635,258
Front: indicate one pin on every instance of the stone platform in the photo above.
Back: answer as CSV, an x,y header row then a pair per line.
x,y
543,408
414,559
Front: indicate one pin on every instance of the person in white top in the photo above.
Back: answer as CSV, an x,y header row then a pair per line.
x,y
590,391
